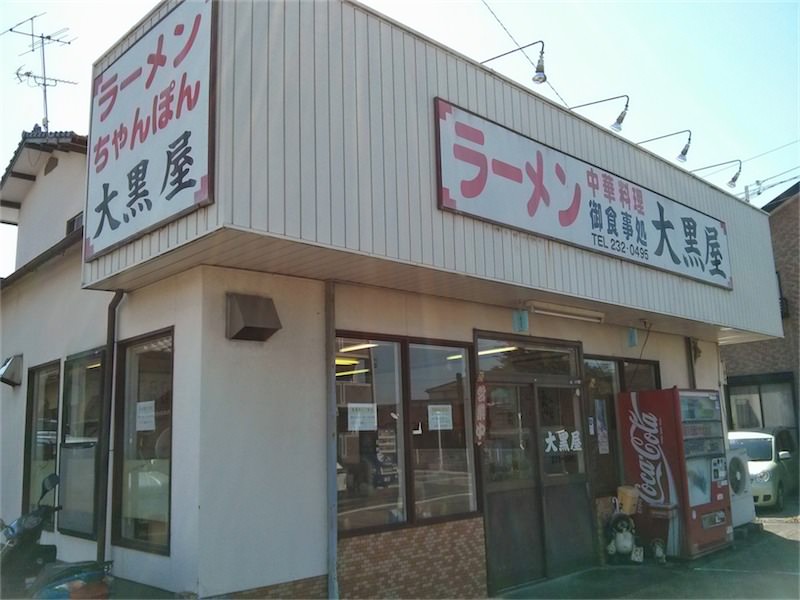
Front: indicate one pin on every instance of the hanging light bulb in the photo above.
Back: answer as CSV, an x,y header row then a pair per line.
x,y
682,156
617,125
732,182
539,76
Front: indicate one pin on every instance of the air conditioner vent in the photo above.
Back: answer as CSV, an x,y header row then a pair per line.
x,y
75,223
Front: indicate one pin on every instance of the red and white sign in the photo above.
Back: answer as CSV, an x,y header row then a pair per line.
x,y
646,460
495,174
149,143
684,495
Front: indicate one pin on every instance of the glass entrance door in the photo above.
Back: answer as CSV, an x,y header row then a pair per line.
x,y
567,512
537,513
512,499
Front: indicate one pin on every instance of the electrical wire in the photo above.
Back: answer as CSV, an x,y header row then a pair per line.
x,y
761,182
756,156
517,44
761,190
779,174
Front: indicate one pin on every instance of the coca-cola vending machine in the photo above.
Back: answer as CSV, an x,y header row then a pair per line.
x,y
673,448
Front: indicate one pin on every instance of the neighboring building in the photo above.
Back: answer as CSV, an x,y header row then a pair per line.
x,y
366,307
762,383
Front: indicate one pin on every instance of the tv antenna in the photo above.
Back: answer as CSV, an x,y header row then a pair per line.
x,y
38,41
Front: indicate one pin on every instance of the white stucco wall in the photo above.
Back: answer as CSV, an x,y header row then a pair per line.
x,y
175,302
249,462
45,317
52,200
262,456
384,311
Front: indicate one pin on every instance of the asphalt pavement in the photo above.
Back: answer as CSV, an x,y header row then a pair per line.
x,y
763,562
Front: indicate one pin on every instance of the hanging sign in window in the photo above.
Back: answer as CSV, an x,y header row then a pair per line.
x,y
493,173
146,416
440,417
362,417
562,441
149,143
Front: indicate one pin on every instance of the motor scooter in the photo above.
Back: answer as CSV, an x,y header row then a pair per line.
x,y
30,569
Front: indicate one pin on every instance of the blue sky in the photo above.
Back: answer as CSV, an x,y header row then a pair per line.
x,y
728,71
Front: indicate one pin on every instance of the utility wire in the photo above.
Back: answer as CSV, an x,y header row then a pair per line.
x,y
761,189
760,182
756,156
779,174
517,44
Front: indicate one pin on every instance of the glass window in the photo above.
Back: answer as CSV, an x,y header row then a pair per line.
x,y
42,439
444,473
758,449
509,436
370,470
502,357
388,436
143,445
640,376
776,401
83,393
602,378
745,407
559,430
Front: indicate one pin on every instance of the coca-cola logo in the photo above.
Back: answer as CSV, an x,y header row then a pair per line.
x,y
645,439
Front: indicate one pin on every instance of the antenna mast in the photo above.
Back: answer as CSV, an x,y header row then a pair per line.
x,y
38,42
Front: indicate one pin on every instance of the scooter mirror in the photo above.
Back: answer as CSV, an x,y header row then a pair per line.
x,y
48,483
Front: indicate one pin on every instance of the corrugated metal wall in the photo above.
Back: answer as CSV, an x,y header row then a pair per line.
x,y
326,134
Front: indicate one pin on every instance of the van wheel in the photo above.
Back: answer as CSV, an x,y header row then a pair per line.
x,y
779,501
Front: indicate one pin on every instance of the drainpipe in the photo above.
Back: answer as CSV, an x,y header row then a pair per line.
x,y
104,435
331,454
690,358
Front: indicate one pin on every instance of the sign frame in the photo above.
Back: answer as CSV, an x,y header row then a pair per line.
x,y
473,139
209,97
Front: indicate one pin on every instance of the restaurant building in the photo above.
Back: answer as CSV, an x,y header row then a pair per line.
x,y
345,312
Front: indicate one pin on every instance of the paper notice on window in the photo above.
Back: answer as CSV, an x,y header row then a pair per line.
x,y
362,417
146,416
440,417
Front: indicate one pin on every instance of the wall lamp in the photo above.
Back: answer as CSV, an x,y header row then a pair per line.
x,y
539,76
616,125
11,370
732,182
682,156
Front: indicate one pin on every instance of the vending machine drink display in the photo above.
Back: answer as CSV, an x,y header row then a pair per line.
x,y
673,448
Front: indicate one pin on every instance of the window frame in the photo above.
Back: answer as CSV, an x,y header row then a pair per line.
x,y
412,520
28,444
117,539
735,381
619,362
99,353
573,380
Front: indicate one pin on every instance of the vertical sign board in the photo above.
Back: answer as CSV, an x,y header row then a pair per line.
x,y
495,174
150,143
